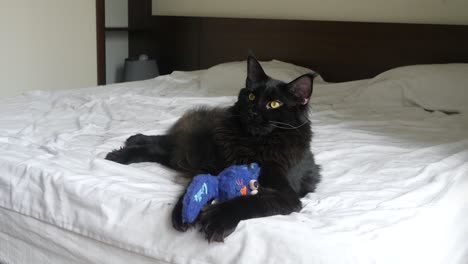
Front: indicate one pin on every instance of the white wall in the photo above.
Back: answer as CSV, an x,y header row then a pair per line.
x,y
47,44
407,11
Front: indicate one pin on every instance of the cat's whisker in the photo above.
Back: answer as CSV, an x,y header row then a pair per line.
x,y
289,125
282,125
306,118
274,125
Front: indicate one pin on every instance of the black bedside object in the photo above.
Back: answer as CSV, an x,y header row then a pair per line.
x,y
141,68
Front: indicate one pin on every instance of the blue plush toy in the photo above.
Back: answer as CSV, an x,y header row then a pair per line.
x,y
233,181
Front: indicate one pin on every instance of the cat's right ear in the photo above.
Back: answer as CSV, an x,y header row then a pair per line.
x,y
255,71
301,87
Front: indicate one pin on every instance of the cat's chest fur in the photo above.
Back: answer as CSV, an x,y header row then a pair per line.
x,y
283,147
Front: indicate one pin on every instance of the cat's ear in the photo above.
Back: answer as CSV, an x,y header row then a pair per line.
x,y
255,71
301,87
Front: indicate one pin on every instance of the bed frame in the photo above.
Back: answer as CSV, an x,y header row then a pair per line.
x,y
340,51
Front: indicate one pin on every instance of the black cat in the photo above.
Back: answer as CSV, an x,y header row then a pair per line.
x,y
268,124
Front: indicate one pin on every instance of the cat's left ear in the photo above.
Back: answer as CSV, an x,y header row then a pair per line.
x,y
301,87
255,71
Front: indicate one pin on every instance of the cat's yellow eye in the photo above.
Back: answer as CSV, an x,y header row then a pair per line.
x,y
274,104
251,97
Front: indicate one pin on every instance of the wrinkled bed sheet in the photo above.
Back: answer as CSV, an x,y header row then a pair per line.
x,y
394,186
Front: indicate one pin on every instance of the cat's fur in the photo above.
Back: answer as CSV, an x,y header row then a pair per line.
x,y
208,140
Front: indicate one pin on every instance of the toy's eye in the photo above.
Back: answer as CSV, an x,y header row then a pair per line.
x,y
253,184
274,104
251,96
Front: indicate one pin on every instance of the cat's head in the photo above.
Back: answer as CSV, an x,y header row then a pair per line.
x,y
266,104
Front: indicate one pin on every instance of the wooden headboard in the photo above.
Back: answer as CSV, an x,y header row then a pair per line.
x,y
340,51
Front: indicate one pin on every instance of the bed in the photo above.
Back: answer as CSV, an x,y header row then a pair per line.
x,y
393,147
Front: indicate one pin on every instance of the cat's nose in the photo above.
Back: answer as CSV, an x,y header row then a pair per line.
x,y
253,113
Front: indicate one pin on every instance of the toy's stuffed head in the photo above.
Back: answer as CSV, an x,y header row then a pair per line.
x,y
238,180
234,181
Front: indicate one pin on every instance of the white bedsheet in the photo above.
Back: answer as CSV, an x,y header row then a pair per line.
x,y
394,186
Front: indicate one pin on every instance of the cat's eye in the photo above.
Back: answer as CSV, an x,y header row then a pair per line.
x,y
274,104
251,96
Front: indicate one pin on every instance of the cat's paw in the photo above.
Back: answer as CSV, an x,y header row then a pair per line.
x,y
179,225
117,155
176,216
135,140
217,222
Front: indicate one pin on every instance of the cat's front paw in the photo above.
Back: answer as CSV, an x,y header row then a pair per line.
x,y
176,216
135,140
217,222
117,155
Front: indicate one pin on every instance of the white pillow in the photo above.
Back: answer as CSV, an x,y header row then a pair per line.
x,y
229,78
441,87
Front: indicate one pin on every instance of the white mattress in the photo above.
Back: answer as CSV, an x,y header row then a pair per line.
x,y
393,190
27,240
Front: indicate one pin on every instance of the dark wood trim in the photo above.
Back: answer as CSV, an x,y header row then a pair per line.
x,y
141,34
116,29
167,42
101,42
140,14
340,51
120,29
